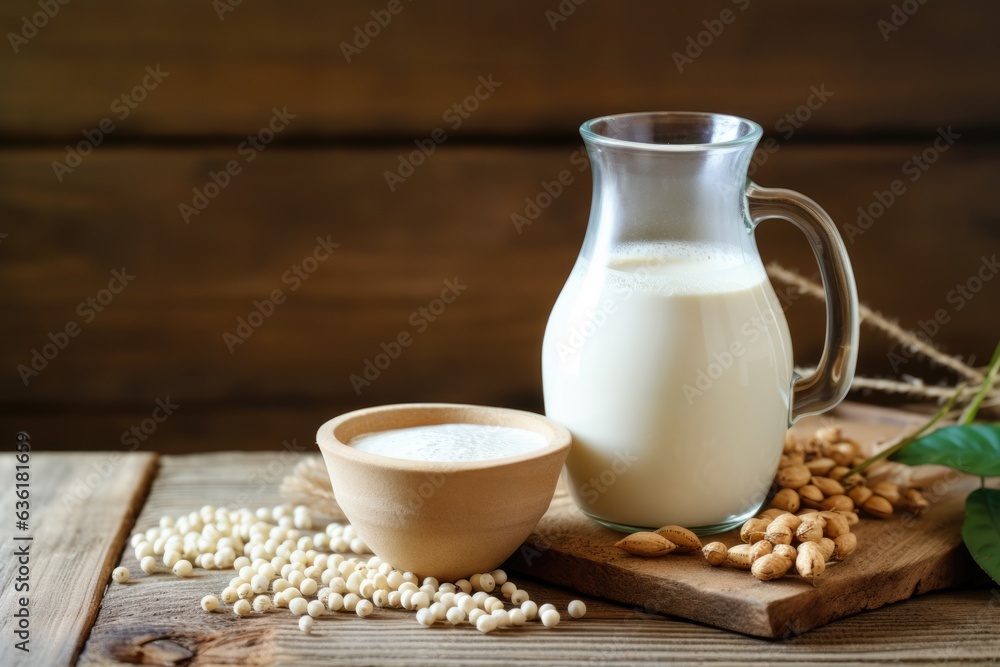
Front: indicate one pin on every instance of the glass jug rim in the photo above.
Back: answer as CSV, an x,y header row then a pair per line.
x,y
747,132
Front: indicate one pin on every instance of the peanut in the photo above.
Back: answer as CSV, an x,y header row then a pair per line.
x,y
785,551
878,507
829,487
887,490
860,495
820,466
786,519
844,546
793,476
647,545
843,453
850,481
683,539
838,472
809,562
770,566
826,545
759,549
779,533
753,530
787,500
836,524
739,557
841,502
811,496
810,530
791,459
715,553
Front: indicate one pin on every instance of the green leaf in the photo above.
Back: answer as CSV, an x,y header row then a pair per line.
x,y
981,530
972,449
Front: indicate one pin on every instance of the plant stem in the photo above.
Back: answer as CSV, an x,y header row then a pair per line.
x,y
945,409
968,415
991,377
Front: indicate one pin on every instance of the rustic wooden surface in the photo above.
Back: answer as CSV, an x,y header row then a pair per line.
x,y
893,562
156,619
606,57
175,630
75,546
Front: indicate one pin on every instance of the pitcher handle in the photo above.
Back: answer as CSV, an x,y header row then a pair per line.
x,y
829,383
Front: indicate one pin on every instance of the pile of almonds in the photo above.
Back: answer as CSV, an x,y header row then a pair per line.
x,y
808,523
813,474
776,540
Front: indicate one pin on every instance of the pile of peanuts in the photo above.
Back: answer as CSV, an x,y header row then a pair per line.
x,y
776,540
813,475
808,522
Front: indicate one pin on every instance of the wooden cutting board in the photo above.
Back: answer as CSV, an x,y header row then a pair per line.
x,y
895,559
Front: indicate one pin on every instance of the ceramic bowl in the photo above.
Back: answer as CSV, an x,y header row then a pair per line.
x,y
442,519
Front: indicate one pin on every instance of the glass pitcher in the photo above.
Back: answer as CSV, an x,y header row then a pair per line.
x,y
667,354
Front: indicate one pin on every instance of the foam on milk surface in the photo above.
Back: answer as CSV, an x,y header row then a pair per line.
x,y
449,442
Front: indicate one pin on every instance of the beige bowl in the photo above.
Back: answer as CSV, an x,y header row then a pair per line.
x,y
444,520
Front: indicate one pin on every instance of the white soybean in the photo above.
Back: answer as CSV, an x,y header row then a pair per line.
x,y
576,608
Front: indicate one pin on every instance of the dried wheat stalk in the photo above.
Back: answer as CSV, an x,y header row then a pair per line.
x,y
309,485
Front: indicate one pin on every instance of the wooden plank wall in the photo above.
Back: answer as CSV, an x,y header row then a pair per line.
x,y
211,82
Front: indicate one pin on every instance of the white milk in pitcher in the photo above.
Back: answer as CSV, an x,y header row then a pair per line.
x,y
671,366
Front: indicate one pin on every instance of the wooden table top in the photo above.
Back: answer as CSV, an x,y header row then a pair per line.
x,y
84,507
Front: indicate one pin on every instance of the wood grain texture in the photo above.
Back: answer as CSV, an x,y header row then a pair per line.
x,y
895,559
607,57
157,620
162,336
82,506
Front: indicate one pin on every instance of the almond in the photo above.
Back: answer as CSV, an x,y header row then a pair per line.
x,y
647,545
683,539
